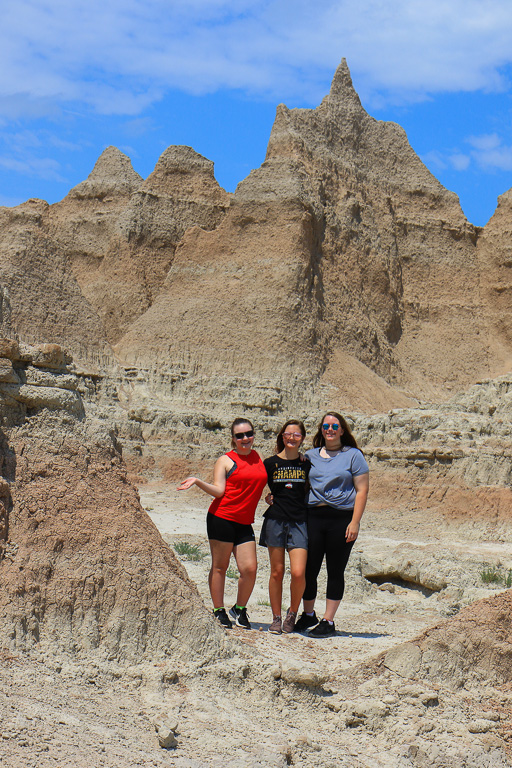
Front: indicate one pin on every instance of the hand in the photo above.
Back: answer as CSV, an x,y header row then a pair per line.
x,y
186,484
352,531
269,499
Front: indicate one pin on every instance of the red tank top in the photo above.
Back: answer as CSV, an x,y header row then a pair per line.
x,y
243,489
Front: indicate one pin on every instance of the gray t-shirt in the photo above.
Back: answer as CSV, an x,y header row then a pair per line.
x,y
331,480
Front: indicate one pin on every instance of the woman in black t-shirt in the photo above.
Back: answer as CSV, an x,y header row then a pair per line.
x,y
284,526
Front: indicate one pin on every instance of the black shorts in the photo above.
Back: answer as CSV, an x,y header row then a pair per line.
x,y
226,530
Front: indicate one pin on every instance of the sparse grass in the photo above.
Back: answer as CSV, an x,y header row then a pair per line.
x,y
264,602
189,551
492,574
232,573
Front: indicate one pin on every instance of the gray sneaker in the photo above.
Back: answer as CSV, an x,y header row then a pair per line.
x,y
275,627
289,622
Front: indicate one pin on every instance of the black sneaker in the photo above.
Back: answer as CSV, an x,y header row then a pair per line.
x,y
323,629
305,622
240,617
223,618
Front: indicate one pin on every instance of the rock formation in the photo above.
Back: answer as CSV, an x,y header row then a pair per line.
x,y
340,274
455,457
474,647
41,300
341,249
495,264
120,232
83,567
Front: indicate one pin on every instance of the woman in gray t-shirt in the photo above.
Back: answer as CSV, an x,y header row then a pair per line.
x,y
338,491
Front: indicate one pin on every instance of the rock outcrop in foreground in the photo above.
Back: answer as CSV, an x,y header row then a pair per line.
x,y
83,566
474,648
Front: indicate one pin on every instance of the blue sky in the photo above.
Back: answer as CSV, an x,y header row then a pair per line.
x,y
77,76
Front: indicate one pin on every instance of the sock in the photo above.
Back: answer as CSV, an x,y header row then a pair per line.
x,y
239,607
310,614
219,609
330,622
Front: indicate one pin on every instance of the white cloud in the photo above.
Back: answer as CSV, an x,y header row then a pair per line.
x,y
487,151
486,142
36,167
442,161
490,153
459,161
119,56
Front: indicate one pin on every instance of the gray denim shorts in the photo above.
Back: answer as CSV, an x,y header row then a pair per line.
x,y
282,533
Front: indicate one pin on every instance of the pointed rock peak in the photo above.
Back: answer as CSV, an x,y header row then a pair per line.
x,y
113,164
184,172
181,159
506,197
113,174
342,90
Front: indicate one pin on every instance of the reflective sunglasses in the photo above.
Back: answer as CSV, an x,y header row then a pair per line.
x,y
241,435
289,435
325,427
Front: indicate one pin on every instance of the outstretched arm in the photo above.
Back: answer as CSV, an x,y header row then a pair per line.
x,y
218,486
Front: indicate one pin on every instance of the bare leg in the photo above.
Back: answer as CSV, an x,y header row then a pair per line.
x,y
331,606
221,553
245,556
275,582
298,558
309,606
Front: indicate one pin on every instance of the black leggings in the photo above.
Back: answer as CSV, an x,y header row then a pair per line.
x,y
326,536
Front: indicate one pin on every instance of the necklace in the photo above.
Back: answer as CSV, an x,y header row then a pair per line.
x,y
331,452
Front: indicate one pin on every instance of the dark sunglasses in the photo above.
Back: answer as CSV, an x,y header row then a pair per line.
x,y
330,426
241,435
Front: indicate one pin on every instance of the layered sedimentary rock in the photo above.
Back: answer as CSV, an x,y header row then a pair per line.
x,y
120,232
495,262
340,274
82,567
341,249
41,299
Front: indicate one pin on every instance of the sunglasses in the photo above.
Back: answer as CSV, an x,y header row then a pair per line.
x,y
289,435
335,427
241,435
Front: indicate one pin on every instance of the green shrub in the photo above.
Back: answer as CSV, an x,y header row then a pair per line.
x,y
491,574
189,551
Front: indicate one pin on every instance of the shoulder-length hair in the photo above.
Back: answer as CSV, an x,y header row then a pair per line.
x,y
289,423
347,438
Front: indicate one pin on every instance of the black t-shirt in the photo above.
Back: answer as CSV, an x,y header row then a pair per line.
x,y
287,480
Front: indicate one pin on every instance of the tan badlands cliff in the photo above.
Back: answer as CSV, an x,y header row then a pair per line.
x,y
339,270
340,273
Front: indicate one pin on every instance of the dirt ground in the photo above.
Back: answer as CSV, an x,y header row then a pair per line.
x,y
277,700
371,618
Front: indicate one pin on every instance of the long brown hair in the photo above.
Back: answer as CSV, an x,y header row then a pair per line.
x,y
237,423
347,438
280,441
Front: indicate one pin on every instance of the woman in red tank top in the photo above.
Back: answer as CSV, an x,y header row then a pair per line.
x,y
238,481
